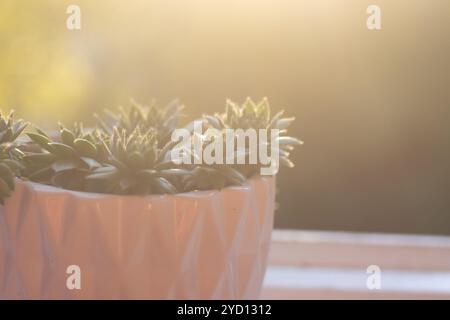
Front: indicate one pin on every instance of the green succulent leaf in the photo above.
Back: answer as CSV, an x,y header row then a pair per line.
x,y
108,174
41,140
174,172
90,162
42,133
213,121
129,151
274,120
67,137
85,148
64,165
148,173
164,186
39,158
234,175
18,128
284,123
41,175
69,179
13,165
61,149
286,162
289,141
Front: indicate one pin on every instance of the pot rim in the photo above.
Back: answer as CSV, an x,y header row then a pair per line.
x,y
44,188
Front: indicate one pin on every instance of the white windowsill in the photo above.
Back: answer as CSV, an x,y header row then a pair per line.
x,y
332,265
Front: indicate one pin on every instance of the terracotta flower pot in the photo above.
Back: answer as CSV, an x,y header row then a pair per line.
x,y
198,245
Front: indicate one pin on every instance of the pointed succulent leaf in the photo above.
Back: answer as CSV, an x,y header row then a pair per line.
x,y
65,164
284,123
264,110
289,141
42,133
286,162
90,162
164,186
174,172
2,123
105,175
61,149
40,140
13,165
18,128
67,137
213,121
85,148
43,174
16,153
233,174
118,164
68,179
274,120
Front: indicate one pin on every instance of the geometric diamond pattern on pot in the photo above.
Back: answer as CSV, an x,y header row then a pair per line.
x,y
197,245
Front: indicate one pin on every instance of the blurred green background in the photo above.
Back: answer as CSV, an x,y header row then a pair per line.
x,y
373,107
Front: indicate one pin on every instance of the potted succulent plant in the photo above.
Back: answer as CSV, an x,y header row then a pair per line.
x,y
112,202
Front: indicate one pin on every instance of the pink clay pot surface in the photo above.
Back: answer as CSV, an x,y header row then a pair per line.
x,y
197,245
